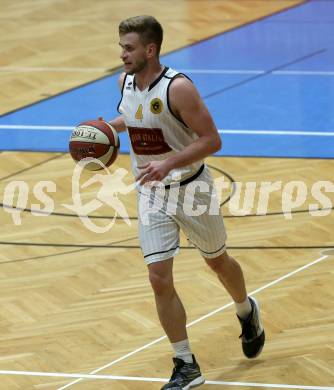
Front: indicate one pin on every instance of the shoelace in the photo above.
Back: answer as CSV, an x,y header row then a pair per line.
x,y
177,373
248,331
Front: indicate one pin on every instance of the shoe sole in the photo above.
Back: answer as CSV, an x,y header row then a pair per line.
x,y
258,312
195,383
262,334
260,350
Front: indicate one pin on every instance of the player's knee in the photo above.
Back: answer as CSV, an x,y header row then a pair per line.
x,y
161,284
219,263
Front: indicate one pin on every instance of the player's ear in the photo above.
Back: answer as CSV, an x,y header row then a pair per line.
x,y
151,50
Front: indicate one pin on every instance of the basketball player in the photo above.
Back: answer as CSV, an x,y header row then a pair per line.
x,y
171,132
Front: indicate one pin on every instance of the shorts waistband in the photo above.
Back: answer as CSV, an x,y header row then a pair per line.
x,y
189,180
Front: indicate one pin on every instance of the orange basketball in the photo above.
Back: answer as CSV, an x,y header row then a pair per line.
x,y
96,139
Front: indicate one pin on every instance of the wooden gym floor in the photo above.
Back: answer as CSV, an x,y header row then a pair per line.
x,y
70,304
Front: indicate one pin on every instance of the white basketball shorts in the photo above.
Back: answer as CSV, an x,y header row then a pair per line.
x,y
192,207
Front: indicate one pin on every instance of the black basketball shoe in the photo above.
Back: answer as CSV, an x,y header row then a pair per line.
x,y
252,335
185,376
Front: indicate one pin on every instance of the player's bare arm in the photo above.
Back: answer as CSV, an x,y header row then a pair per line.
x,y
118,122
187,104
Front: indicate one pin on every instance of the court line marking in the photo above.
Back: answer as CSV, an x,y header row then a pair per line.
x,y
286,276
13,69
36,127
255,72
10,69
221,131
279,132
145,379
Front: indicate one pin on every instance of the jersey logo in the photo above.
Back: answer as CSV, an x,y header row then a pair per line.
x,y
139,113
148,141
129,85
156,106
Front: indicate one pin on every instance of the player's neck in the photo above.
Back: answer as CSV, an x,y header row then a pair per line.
x,y
146,76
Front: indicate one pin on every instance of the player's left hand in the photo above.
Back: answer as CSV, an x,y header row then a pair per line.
x,y
152,171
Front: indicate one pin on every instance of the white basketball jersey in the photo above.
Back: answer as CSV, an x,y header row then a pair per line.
x,y
154,131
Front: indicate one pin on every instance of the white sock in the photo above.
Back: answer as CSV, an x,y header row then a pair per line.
x,y
243,308
182,351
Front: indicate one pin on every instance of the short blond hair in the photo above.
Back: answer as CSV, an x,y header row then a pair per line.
x,y
147,27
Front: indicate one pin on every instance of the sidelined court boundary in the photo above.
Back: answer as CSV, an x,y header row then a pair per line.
x,y
220,131
8,69
144,379
276,281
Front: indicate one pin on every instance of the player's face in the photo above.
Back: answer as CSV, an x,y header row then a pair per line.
x,y
133,54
